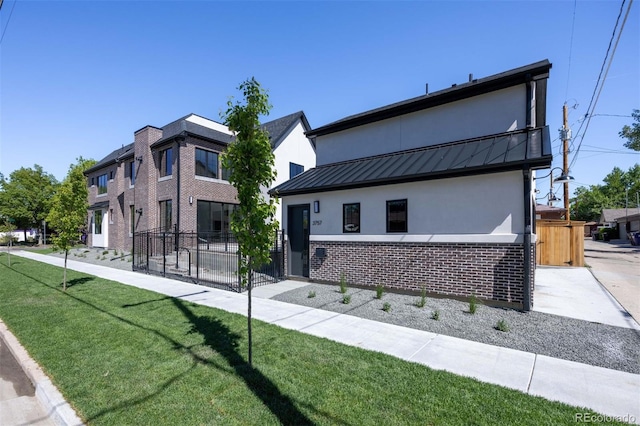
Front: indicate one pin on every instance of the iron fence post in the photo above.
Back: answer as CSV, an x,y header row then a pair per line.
x,y
148,250
164,254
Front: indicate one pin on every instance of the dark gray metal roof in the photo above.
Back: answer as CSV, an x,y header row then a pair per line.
x,y
184,127
99,205
535,71
489,154
279,128
115,156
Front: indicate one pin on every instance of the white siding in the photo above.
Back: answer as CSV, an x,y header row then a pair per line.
x,y
496,112
484,208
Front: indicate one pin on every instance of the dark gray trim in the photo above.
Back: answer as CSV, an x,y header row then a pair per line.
x,y
99,205
528,273
406,203
535,71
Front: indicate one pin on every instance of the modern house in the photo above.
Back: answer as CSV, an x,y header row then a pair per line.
x,y
433,192
171,176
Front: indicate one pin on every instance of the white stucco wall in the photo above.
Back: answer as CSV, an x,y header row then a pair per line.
x,y
483,208
492,113
205,122
295,148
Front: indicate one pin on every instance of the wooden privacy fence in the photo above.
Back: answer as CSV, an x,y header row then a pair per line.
x,y
560,243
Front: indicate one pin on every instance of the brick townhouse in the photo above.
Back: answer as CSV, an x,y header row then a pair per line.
x,y
172,176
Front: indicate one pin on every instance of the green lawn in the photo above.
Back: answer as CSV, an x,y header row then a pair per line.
x,y
125,356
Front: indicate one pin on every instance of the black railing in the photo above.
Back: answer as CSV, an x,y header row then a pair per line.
x,y
206,258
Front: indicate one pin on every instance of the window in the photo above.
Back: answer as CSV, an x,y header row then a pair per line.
x,y
97,221
166,162
102,184
110,216
165,215
132,217
214,217
397,216
132,172
295,170
351,217
93,181
206,163
226,173
110,174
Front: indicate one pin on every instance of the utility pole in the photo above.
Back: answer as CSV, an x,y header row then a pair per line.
x,y
565,158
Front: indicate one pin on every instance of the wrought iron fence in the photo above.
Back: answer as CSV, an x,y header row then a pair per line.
x,y
206,258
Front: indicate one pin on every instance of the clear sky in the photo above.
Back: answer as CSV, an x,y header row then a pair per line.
x,y
79,77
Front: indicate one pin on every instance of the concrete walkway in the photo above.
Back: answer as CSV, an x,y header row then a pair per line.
x,y
605,391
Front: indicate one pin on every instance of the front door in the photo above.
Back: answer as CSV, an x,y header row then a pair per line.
x,y
100,228
298,232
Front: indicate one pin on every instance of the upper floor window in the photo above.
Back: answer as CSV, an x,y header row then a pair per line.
x,y
351,217
102,184
397,216
132,172
166,162
206,163
110,174
295,170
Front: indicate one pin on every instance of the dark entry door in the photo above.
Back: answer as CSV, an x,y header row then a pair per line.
x,y
298,231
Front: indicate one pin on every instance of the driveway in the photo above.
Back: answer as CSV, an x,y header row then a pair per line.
x,y
616,265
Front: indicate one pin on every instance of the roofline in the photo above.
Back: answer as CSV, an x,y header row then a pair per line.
x,y
144,127
305,124
536,71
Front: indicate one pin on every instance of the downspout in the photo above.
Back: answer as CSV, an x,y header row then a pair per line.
x,y
526,290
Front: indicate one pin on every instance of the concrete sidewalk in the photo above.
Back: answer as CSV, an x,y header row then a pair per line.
x,y
606,391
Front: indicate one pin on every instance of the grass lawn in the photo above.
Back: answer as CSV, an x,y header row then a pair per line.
x,y
125,356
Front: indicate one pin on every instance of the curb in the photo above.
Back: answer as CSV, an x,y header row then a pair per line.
x,y
48,395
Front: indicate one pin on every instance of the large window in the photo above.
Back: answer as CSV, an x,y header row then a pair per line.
x,y
166,162
351,217
206,163
214,217
102,184
132,172
397,216
295,170
165,215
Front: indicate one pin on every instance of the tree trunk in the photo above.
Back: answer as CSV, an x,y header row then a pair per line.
x,y
64,274
249,284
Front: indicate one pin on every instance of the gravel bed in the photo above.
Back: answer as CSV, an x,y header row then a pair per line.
x,y
97,256
544,334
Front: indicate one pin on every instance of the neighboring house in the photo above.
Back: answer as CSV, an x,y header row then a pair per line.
x,y
609,217
434,192
172,177
628,224
544,212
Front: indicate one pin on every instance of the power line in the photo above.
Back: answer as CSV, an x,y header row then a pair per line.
x,y
597,90
573,25
8,19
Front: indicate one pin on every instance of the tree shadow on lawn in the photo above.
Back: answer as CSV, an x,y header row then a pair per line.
x,y
78,281
220,338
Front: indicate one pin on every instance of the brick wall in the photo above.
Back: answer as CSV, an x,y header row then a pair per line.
x,y
490,271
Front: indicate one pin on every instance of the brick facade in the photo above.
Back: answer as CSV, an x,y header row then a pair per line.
x,y
493,272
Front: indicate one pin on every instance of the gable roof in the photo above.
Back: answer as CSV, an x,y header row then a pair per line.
x,y
114,157
535,71
610,215
184,127
489,154
280,127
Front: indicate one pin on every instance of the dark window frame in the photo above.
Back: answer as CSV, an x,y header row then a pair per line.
x,y
166,167
348,223
166,215
397,226
132,173
97,222
295,169
132,218
102,184
204,169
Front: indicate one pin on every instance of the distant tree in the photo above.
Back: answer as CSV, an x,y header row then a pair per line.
x,y
26,197
589,202
251,161
632,133
69,210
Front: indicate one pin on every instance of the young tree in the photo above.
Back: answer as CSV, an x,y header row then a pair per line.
x,y
251,161
26,196
7,227
632,133
69,210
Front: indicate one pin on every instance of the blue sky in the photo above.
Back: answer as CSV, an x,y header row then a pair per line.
x,y
77,78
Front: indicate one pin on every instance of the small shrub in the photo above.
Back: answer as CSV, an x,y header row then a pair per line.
x,y
386,306
423,298
102,258
98,257
346,299
435,315
502,326
311,294
473,304
343,284
104,253
379,290
115,252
